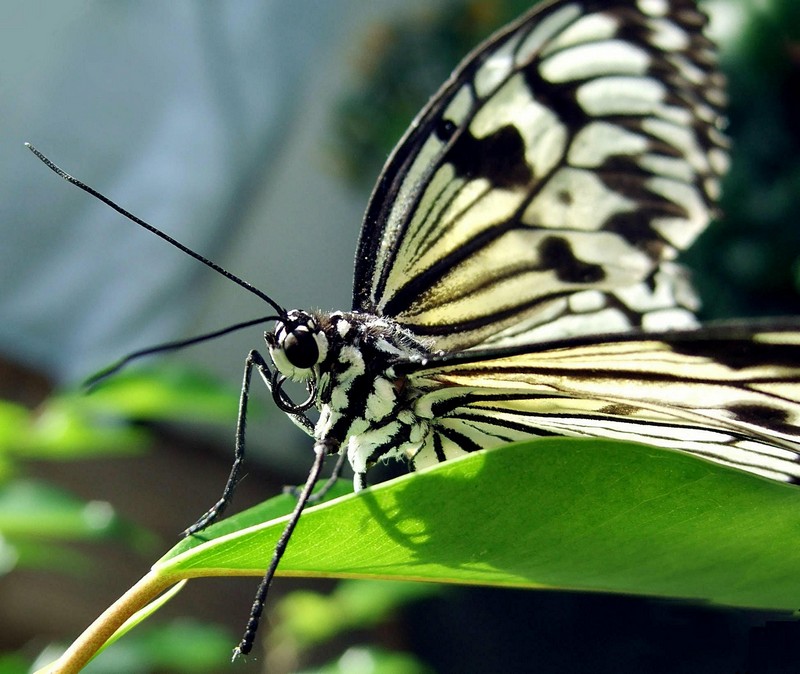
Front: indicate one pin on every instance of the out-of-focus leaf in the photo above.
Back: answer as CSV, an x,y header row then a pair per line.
x,y
178,646
166,393
308,618
35,510
14,663
60,430
368,660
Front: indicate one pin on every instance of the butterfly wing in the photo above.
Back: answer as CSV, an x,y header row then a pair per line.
x,y
728,393
546,188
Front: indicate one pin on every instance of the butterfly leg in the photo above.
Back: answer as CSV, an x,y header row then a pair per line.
x,y
321,449
359,481
298,419
325,488
254,359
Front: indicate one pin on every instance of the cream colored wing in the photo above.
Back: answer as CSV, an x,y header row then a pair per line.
x,y
730,394
547,187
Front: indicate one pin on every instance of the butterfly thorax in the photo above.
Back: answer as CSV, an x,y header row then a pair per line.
x,y
364,406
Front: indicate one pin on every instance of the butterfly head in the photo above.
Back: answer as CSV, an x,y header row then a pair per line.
x,y
297,345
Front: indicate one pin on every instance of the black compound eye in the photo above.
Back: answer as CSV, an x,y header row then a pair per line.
x,y
301,348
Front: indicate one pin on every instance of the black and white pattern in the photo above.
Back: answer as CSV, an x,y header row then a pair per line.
x,y
546,189
516,272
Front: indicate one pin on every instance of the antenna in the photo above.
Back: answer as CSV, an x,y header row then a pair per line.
x,y
231,277
106,372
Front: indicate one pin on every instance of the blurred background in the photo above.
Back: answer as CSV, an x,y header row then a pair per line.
x,y
253,132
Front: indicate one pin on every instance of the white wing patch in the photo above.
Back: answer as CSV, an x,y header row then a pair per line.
x,y
578,150
713,393
595,60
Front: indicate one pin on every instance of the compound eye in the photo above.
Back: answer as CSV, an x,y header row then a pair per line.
x,y
301,348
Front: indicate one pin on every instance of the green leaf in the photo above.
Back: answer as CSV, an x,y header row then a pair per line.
x,y
164,393
80,423
182,646
61,429
305,618
369,660
14,663
557,513
35,510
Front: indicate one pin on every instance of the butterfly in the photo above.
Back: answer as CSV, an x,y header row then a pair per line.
x,y
515,275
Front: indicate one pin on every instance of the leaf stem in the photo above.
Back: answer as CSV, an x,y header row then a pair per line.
x,y
88,644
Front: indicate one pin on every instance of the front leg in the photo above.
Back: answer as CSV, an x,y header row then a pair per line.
x,y
254,359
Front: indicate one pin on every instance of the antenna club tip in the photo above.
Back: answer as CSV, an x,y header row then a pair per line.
x,y
33,149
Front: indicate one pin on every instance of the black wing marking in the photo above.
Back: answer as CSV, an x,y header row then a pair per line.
x,y
729,393
547,186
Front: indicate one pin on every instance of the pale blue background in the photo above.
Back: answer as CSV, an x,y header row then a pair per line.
x,y
209,120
